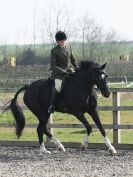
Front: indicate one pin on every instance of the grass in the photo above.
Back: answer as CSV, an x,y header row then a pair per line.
x,y
67,134
29,134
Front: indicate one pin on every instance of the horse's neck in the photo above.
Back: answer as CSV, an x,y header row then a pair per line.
x,y
81,76
86,82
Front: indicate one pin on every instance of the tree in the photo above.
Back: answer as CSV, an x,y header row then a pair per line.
x,y
91,37
28,57
113,46
55,19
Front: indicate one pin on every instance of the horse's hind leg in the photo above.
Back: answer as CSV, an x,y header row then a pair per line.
x,y
43,119
42,129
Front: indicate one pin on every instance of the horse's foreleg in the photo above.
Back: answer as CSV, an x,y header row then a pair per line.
x,y
56,142
109,145
97,121
84,143
88,127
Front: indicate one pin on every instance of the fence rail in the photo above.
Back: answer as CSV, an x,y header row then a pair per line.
x,y
116,126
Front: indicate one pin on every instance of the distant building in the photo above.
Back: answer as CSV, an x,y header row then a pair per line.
x,y
11,62
124,58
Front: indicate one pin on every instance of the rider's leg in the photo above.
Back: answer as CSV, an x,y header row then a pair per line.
x,y
55,94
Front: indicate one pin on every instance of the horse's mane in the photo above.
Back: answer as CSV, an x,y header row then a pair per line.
x,y
87,64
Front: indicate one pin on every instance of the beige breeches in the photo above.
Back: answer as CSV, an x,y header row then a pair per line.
x,y
58,83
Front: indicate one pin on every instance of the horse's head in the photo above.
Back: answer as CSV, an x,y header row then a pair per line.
x,y
100,79
94,74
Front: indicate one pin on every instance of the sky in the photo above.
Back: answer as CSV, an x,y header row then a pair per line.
x,y
17,17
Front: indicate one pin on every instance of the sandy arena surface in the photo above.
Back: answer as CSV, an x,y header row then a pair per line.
x,y
28,162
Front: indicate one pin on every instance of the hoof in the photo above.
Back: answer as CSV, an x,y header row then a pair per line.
x,y
84,146
44,151
112,152
61,148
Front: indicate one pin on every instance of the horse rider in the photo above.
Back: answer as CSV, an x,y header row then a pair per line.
x,y
62,63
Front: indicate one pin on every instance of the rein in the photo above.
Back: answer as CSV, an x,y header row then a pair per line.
x,y
78,81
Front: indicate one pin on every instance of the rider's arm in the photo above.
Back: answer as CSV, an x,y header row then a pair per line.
x,y
73,60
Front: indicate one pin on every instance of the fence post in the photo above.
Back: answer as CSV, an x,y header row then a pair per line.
x,y
116,117
50,121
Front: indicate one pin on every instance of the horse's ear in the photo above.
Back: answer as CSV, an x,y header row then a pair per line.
x,y
103,66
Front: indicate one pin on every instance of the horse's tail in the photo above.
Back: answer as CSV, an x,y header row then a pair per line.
x,y
17,112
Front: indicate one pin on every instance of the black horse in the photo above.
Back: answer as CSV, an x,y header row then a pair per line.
x,y
77,97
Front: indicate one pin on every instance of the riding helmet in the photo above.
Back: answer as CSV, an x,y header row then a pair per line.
x,y
60,35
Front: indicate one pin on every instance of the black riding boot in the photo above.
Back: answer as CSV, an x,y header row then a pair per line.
x,y
54,98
